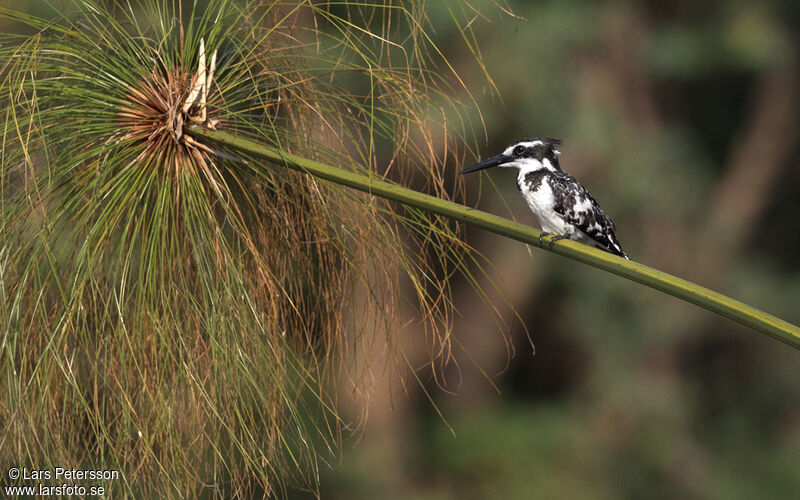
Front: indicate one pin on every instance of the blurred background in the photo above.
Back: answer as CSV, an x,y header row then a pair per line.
x,y
682,118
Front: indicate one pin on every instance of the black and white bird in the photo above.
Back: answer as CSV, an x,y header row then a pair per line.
x,y
563,206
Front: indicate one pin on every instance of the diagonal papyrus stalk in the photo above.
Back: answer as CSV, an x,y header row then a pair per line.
x,y
667,283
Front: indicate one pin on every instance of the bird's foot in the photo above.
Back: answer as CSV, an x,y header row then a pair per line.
x,y
556,238
542,236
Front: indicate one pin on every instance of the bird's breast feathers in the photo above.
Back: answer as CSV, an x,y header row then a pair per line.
x,y
541,199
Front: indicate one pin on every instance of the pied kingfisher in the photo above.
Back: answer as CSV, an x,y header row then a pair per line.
x,y
562,205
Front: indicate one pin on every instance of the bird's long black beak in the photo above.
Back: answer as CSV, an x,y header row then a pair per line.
x,y
487,163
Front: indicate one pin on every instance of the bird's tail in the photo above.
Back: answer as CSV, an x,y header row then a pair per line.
x,y
615,248
622,254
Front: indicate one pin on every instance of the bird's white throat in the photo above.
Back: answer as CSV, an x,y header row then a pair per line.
x,y
529,165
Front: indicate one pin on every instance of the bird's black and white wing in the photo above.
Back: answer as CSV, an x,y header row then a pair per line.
x,y
578,207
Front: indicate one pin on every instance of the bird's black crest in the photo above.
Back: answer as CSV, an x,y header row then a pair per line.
x,y
547,140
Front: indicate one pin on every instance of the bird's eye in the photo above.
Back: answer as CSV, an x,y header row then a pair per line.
x,y
519,150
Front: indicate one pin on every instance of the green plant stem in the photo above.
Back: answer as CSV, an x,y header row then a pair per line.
x,y
683,289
